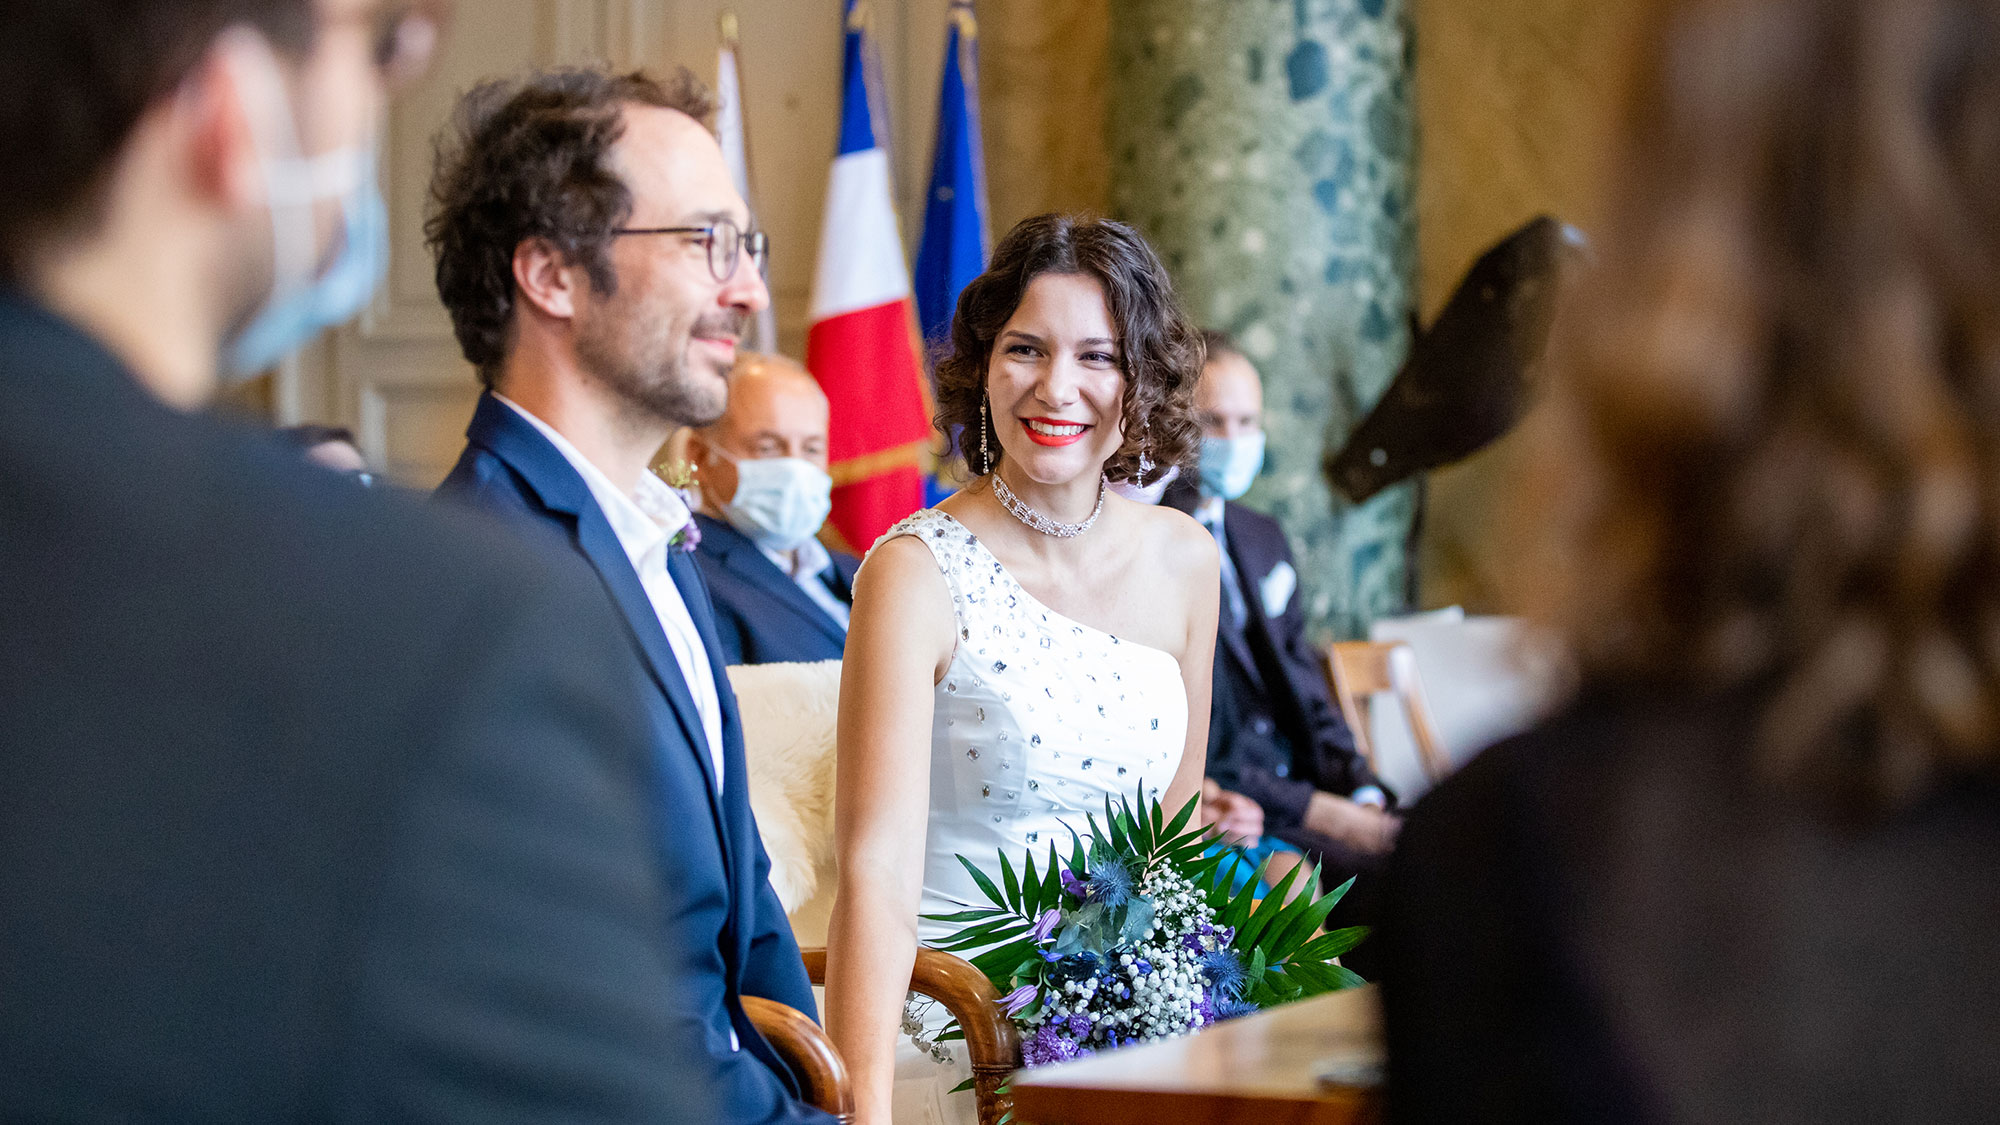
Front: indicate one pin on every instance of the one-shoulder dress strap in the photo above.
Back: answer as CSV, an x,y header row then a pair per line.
x,y
951,545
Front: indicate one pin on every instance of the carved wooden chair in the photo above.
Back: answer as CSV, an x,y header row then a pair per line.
x,y
1361,670
992,1043
806,1049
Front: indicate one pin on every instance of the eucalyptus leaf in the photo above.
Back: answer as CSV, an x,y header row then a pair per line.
x,y
1138,916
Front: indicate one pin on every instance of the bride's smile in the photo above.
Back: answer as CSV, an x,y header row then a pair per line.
x,y
1055,372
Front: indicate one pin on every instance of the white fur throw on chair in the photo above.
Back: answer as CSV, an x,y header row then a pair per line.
x,y
788,735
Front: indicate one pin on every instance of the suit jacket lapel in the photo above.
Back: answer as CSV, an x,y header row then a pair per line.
x,y
735,807
742,557
509,437
1233,640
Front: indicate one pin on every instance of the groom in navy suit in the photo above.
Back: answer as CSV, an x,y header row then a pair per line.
x,y
599,267
779,594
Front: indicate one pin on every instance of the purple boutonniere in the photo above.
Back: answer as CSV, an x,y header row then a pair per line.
x,y
687,538
679,476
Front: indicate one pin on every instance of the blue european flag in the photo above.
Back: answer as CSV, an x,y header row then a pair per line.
x,y
954,246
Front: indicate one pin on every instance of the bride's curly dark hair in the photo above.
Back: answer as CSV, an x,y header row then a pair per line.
x,y
1159,350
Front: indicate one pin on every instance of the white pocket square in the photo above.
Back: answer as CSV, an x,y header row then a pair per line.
x,y
1277,587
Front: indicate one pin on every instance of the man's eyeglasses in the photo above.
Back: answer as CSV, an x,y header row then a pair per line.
x,y
726,243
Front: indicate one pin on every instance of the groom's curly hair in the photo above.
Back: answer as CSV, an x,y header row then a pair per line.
x,y
1159,349
528,158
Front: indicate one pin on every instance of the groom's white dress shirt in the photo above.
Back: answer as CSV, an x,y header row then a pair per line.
x,y
643,522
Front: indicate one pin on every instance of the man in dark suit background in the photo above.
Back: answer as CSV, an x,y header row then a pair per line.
x,y
1275,735
319,804
600,318
779,594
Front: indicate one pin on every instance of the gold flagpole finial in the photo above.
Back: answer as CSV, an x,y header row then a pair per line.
x,y
725,25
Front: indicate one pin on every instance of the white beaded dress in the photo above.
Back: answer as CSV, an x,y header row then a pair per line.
x,y
1037,720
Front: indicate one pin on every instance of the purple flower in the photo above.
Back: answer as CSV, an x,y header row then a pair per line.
x,y
1074,885
1143,966
687,538
1079,1025
1045,925
1048,1044
1020,998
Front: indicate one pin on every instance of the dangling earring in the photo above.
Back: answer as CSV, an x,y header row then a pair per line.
x,y
1145,451
985,458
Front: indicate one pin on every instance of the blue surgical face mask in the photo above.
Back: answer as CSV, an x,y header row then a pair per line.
x,y
1229,465
306,299
780,502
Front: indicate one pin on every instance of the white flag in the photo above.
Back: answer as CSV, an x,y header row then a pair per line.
x,y
736,151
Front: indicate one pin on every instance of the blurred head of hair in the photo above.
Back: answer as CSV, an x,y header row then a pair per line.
x,y
1770,459
75,78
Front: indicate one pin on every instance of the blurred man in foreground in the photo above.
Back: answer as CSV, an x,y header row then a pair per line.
x,y
318,804
779,594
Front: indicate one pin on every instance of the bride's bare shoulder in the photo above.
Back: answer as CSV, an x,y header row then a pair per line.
x,y
902,568
1183,548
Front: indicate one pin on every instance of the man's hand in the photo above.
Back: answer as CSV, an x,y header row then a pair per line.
x,y
1364,828
1234,817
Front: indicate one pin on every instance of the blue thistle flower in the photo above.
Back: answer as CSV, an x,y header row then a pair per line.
x,y
1225,974
1110,883
1226,1009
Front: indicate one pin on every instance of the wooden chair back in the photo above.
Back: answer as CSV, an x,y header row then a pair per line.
x,y
806,1049
992,1042
1362,670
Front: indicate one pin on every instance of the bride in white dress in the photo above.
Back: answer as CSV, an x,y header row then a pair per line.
x,y
1032,644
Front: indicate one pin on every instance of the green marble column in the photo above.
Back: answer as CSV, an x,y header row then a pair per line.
x,y
1265,146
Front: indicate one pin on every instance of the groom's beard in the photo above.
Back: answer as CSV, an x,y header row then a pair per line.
x,y
642,357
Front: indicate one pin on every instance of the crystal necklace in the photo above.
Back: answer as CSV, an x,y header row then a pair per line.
x,y
1020,510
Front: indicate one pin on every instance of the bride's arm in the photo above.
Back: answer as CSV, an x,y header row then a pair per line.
x,y
1201,576
899,643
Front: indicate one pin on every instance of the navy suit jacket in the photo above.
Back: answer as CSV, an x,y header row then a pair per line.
x,y
761,615
725,933
1274,732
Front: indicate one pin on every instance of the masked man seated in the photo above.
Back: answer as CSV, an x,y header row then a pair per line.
x,y
779,594
1275,735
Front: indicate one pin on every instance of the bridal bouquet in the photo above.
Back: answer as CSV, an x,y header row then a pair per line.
x,y
1137,936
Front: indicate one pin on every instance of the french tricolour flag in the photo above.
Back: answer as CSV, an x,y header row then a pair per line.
x,y
861,343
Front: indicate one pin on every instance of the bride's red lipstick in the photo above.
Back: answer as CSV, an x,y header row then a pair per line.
x,y
1053,439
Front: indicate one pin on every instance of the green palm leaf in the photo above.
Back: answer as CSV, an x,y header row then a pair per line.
x,y
985,884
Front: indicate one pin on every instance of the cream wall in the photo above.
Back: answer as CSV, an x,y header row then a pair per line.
x,y
1517,107
396,376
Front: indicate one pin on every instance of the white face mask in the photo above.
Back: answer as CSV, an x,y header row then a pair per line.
x,y
780,502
